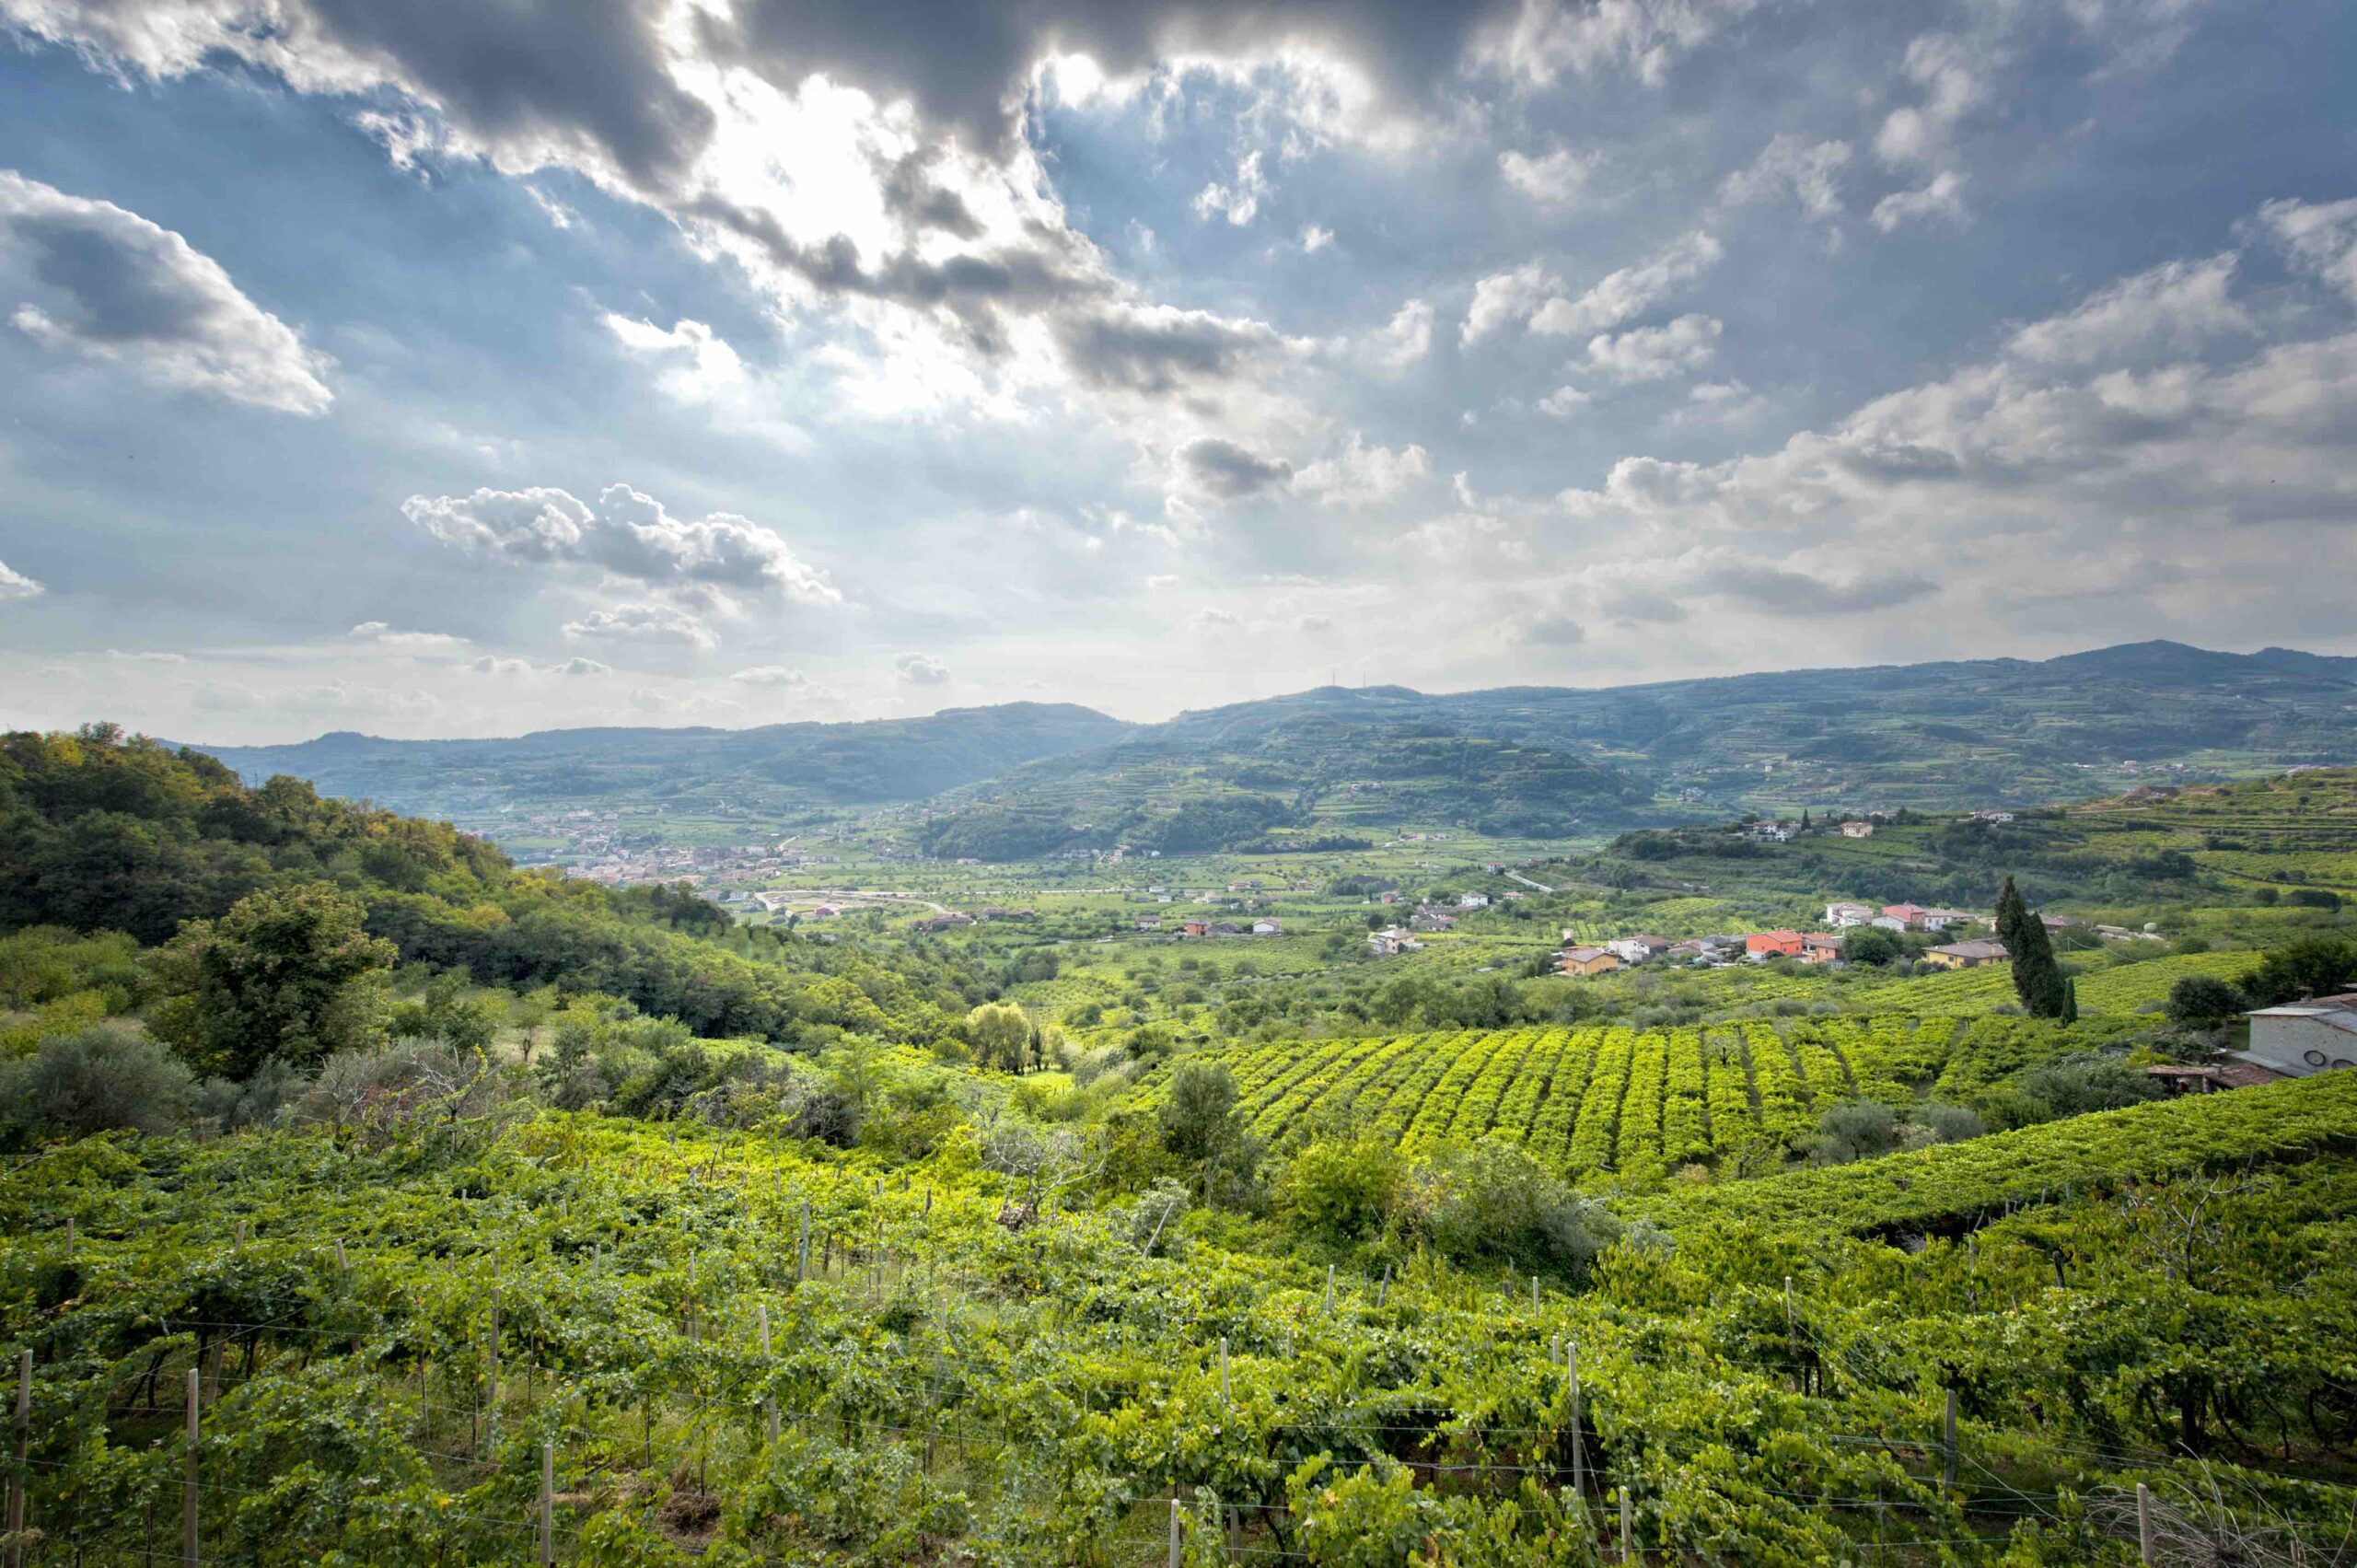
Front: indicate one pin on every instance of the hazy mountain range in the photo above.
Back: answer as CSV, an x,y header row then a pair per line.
x,y
1537,760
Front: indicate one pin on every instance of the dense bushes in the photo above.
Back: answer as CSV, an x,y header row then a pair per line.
x,y
103,1079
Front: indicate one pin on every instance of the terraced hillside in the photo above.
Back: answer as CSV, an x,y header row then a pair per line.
x,y
1607,1098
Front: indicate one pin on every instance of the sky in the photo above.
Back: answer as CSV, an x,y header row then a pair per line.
x,y
432,370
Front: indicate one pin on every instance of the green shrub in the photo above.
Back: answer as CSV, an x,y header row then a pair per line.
x,y
104,1079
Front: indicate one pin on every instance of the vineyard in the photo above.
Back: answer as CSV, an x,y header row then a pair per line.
x,y
1640,1103
577,1340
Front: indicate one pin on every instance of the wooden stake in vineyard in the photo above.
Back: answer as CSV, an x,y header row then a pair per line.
x,y
188,1486
17,1477
769,1406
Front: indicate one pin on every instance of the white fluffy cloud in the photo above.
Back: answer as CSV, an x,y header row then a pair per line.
x,y
697,362
88,278
1556,178
384,636
652,623
1503,298
1650,354
1790,165
629,533
1942,201
2154,444
2319,237
772,674
15,585
1359,475
1622,294
921,669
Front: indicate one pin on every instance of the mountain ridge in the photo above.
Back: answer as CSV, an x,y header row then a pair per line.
x,y
1534,760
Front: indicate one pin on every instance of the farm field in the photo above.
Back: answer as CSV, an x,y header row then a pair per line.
x,y
1609,1098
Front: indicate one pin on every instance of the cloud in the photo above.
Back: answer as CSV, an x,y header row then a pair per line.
x,y
1544,39
1361,475
2175,308
1159,348
1942,200
2320,238
1641,605
1556,178
1563,402
1503,298
656,624
1219,470
1239,202
1214,620
2159,448
628,532
497,665
1618,296
1792,165
1313,623
1650,354
698,363
14,585
1408,338
1949,71
144,657
772,674
579,665
96,281
921,669
383,635
1314,239
1784,592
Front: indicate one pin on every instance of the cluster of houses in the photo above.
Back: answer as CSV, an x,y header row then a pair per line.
x,y
1261,927
1806,947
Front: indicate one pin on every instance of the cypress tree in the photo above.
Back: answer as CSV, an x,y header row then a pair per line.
x,y
2070,1001
2038,981
1804,818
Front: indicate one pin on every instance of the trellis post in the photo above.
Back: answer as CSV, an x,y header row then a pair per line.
x,y
188,1485
1947,1439
547,1504
769,1406
1579,1443
2145,1544
17,1478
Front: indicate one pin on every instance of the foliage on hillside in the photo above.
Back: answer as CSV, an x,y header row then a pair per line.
x,y
99,832
388,1333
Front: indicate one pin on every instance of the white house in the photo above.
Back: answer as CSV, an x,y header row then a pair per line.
x,y
1940,919
1267,928
1472,900
1889,922
2305,1036
1629,950
1846,914
1857,830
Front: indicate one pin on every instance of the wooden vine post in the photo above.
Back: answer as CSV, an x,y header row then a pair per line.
x,y
188,1484
17,1478
769,1406
547,1504
1579,1443
1947,1441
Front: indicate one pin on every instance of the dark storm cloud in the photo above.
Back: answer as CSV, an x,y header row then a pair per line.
x,y
1228,471
1155,349
92,278
533,71
963,63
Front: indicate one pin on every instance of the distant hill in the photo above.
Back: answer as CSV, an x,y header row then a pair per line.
x,y
1027,778
776,767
